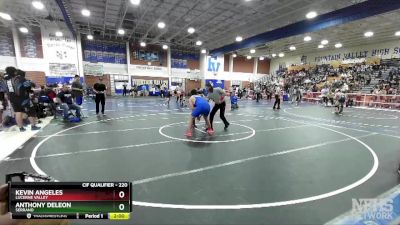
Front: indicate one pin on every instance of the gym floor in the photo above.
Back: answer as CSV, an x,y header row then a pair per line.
x,y
299,165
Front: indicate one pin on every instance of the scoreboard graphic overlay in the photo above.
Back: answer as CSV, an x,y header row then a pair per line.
x,y
70,200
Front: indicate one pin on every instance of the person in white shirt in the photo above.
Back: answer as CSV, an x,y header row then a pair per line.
x,y
340,98
277,97
324,93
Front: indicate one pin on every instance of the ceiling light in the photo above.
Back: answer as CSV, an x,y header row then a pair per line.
x,y
273,55
248,57
59,34
38,5
239,38
281,54
307,38
311,15
324,42
198,43
369,34
234,55
135,2
161,25
252,51
121,31
23,29
85,12
191,30
397,33
292,48
90,37
261,58
5,16
165,47
143,44
338,45
321,46
203,51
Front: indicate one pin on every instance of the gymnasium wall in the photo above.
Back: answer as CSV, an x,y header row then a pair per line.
x,y
37,77
192,84
263,66
226,63
243,65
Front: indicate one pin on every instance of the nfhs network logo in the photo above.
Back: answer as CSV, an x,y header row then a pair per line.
x,y
372,209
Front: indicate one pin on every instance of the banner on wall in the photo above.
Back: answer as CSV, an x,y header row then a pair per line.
x,y
216,83
6,42
151,53
62,69
31,43
372,53
350,61
180,59
59,49
215,65
385,52
186,73
93,69
104,51
148,70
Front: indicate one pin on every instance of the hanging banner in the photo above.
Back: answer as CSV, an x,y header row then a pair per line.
x,y
186,73
59,49
62,70
148,70
216,83
31,43
104,51
215,65
6,42
93,69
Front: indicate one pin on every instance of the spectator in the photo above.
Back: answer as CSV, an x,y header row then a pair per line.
x,y
65,97
18,94
258,93
77,90
124,90
3,100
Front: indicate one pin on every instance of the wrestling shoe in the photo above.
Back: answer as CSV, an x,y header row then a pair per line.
x,y
226,126
35,128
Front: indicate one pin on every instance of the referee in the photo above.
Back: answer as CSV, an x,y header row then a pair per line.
x,y
218,96
100,90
